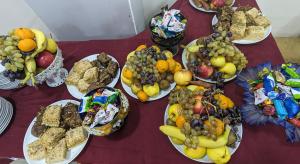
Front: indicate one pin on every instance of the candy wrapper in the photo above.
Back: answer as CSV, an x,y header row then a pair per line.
x,y
284,89
260,96
296,93
291,107
269,83
279,77
280,109
168,25
290,71
105,116
293,83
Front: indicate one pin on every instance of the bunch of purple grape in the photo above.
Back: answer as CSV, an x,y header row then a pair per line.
x,y
12,76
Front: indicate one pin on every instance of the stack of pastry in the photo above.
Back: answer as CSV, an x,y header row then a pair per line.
x,y
63,131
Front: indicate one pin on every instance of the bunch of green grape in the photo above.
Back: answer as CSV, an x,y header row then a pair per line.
x,y
238,59
11,57
143,67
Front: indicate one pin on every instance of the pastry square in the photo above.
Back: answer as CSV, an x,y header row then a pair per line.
x,y
255,32
237,31
239,18
51,116
73,78
70,116
36,150
75,136
58,153
91,75
52,136
82,85
252,13
81,66
262,21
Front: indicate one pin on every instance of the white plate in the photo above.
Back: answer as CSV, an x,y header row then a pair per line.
x,y
6,120
205,159
29,138
185,61
268,31
161,94
2,68
204,10
7,112
77,94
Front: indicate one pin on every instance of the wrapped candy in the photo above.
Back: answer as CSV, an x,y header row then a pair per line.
x,y
296,93
284,89
295,122
259,96
293,83
86,104
280,109
279,77
105,116
291,107
269,83
287,68
168,25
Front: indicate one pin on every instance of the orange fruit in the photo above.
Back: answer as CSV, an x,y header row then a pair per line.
x,y
24,33
180,121
172,64
178,67
141,47
142,96
220,126
162,66
26,45
127,73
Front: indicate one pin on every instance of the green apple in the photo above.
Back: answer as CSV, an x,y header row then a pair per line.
x,y
228,68
218,61
51,46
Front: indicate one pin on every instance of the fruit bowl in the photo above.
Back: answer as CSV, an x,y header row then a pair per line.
x,y
199,124
217,64
100,127
148,73
52,75
29,57
204,6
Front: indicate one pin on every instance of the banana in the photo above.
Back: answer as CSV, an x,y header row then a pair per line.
x,y
30,70
175,132
41,42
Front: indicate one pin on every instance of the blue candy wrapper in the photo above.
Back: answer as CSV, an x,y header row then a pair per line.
x,y
280,109
100,100
86,104
269,83
291,107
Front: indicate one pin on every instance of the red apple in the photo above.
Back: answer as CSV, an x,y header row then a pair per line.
x,y
205,71
218,3
44,59
198,108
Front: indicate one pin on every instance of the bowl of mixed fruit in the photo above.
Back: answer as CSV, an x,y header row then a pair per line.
x,y
214,58
148,73
202,124
210,5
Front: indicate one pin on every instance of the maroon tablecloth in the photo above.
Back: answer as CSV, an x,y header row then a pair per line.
x,y
140,141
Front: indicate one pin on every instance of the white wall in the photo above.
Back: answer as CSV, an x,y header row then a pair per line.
x,y
16,13
152,7
284,14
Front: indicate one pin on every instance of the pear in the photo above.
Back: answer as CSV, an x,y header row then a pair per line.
x,y
218,61
51,46
219,155
228,68
194,48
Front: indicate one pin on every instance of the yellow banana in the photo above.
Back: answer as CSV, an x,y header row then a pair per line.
x,y
175,132
27,77
41,42
30,70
